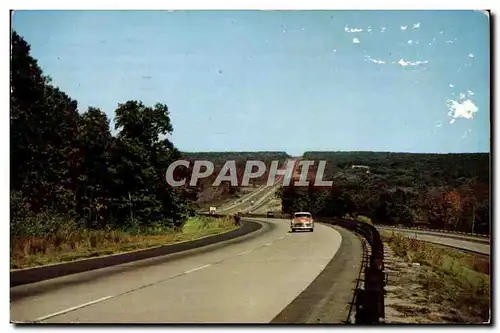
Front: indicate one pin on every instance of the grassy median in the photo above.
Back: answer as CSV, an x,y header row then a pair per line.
x,y
64,246
459,280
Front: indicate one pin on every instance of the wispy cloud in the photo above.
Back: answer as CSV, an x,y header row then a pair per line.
x,y
471,55
439,125
369,29
465,109
375,61
470,93
355,41
403,27
410,41
411,63
451,85
382,29
450,42
465,135
416,25
347,29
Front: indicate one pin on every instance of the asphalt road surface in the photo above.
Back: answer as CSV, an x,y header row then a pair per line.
x,y
464,242
249,281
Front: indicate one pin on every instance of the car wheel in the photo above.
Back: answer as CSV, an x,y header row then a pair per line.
x,y
312,229
293,230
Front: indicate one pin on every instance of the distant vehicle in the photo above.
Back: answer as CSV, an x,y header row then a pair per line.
x,y
302,221
212,211
270,214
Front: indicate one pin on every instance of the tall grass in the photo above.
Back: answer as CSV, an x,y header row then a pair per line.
x,y
460,278
68,244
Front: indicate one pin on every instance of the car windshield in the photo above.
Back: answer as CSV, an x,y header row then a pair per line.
x,y
302,215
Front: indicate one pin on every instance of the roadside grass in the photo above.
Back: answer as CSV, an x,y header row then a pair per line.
x,y
457,278
70,245
360,218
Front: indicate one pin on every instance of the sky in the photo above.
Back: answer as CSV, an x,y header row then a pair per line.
x,y
294,81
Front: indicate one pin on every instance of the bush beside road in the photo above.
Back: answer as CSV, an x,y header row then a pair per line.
x,y
72,244
429,283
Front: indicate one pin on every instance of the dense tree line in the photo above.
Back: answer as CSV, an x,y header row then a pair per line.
x,y
211,195
68,168
439,190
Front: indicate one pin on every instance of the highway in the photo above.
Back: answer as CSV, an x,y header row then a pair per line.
x,y
246,281
469,243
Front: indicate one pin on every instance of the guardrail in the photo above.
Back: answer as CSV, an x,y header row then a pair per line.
x,y
370,305
435,230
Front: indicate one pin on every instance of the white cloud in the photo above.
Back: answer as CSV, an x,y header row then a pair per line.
x,y
449,41
470,93
410,41
439,125
369,29
416,25
441,32
346,29
411,63
471,55
465,109
382,29
375,61
403,27
451,85
334,50
417,42
461,96
355,41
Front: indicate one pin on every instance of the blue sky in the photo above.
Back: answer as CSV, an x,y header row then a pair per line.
x,y
414,81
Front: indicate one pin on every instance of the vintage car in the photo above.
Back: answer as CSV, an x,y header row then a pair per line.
x,y
302,221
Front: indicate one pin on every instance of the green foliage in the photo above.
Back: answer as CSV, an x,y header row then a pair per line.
x,y
440,190
69,171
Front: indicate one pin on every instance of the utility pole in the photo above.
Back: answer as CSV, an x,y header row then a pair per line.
x,y
473,216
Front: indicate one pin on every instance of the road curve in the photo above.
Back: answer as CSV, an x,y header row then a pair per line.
x,y
444,239
244,282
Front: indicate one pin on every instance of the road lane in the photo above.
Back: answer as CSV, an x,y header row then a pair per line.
x,y
442,239
472,238
250,281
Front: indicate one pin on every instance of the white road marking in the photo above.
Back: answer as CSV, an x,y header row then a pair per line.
x,y
246,252
197,268
72,309
268,244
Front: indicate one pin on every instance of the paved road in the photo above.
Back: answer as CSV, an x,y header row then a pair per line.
x,y
239,201
444,239
480,239
248,281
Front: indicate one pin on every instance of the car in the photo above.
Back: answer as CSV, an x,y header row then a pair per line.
x,y
270,214
302,221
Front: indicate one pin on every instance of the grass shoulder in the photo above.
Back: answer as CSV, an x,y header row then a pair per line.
x,y
70,245
453,282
